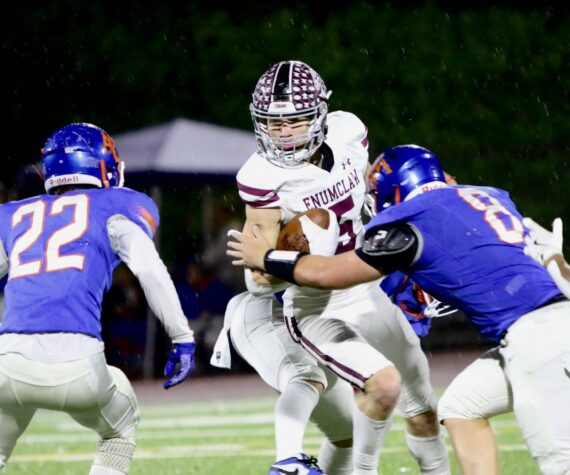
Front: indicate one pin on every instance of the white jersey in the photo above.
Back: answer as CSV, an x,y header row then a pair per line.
x,y
339,185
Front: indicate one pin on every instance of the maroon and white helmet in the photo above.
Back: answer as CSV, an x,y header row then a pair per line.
x,y
289,90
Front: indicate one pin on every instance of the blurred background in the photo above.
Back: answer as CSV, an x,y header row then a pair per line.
x,y
484,85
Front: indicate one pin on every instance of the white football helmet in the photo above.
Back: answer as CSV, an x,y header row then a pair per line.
x,y
289,90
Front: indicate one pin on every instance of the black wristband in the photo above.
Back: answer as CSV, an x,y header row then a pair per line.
x,y
282,263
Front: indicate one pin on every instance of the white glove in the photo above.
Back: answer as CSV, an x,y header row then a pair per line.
x,y
542,244
322,242
436,309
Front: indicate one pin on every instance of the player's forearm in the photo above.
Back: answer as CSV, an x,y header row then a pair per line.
x,y
335,272
322,272
562,265
559,270
162,298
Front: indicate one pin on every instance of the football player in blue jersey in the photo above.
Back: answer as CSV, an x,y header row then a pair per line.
x,y
59,251
418,306
464,245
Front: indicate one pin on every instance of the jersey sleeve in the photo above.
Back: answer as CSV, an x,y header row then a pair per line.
x,y
346,128
393,283
142,210
257,184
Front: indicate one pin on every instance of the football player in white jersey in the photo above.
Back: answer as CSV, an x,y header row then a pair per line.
x,y
309,158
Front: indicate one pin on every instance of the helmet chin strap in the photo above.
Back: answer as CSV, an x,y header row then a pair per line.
x,y
103,169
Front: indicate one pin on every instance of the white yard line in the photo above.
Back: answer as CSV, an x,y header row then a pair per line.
x,y
193,451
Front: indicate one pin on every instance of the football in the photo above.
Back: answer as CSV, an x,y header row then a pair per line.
x,y
291,237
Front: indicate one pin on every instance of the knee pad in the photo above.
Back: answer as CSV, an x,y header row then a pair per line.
x,y
115,453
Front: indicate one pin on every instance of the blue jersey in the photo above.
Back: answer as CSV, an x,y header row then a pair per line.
x,y
471,254
60,257
410,298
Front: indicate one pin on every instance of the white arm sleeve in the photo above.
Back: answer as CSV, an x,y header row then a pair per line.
x,y
259,290
137,251
3,261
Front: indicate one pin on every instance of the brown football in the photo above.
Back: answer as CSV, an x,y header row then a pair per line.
x,y
291,237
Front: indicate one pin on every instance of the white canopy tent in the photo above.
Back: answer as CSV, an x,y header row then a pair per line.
x,y
185,146
182,150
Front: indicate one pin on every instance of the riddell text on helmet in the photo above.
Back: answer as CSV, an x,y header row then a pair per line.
x,y
63,180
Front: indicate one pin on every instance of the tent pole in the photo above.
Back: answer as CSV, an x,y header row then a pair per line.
x,y
207,213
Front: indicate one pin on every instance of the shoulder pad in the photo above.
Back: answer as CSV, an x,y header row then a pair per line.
x,y
391,247
395,239
141,209
346,127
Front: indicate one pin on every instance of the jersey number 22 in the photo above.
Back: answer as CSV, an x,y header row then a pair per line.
x,y
53,261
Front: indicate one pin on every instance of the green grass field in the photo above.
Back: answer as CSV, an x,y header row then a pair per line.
x,y
213,438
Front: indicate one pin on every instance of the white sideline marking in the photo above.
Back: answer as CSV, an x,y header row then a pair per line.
x,y
262,418
143,436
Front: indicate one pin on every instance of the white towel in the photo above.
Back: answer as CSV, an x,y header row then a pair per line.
x,y
221,356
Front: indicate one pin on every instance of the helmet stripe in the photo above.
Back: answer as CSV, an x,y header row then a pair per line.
x,y
282,84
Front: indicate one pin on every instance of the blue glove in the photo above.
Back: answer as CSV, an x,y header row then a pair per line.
x,y
181,355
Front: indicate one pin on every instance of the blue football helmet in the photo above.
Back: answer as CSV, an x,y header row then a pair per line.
x,y
398,172
81,154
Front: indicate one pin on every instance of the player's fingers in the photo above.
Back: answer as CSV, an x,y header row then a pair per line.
x,y
234,233
308,225
557,227
531,224
169,368
235,245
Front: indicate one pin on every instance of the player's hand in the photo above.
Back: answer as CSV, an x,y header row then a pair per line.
x,y
322,242
542,244
181,360
248,250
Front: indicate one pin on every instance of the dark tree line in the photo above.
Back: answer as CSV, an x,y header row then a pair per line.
x,y
486,87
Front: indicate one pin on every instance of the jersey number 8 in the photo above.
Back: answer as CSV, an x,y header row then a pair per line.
x,y
506,226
